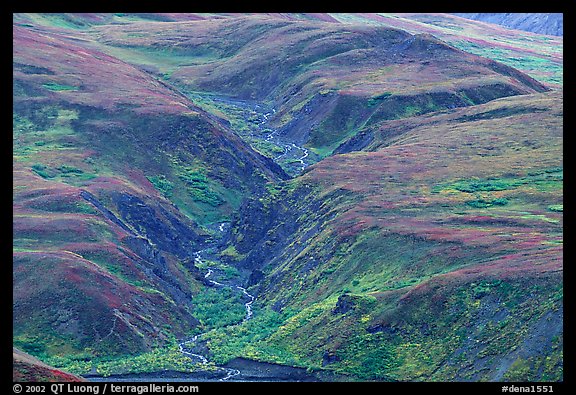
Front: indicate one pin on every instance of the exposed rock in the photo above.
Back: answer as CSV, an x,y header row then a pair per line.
x,y
255,277
355,143
142,247
107,213
344,304
330,357
159,226
261,371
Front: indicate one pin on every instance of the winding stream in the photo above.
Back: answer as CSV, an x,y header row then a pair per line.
x,y
295,156
186,345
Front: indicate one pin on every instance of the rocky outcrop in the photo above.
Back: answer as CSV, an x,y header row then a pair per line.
x,y
160,226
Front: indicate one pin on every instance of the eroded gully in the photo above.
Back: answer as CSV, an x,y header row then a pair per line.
x,y
291,151
189,347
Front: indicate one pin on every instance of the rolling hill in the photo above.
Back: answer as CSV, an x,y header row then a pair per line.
x,y
328,79
437,249
551,24
102,257
388,188
27,368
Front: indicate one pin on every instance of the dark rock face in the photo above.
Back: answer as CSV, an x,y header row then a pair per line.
x,y
149,224
158,225
266,226
388,329
153,233
261,371
344,304
549,23
356,143
146,251
330,357
255,277
107,213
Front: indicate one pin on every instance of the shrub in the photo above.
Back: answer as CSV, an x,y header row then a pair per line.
x,y
65,169
377,99
202,194
556,207
483,186
485,203
53,86
199,188
43,171
162,184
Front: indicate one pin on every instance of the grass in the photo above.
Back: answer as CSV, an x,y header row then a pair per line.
x,y
487,202
160,359
538,55
231,253
545,69
392,263
55,87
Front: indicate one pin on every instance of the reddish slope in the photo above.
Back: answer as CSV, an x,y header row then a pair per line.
x,y
101,257
434,255
325,79
26,368
88,77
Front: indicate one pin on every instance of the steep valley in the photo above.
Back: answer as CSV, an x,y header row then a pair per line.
x,y
285,197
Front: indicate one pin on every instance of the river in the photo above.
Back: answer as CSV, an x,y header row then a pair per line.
x,y
294,159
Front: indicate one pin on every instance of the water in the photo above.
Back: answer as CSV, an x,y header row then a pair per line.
x,y
293,159
186,345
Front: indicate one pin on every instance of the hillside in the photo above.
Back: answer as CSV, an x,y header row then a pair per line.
x,y
551,24
351,197
27,368
441,242
539,56
328,79
103,258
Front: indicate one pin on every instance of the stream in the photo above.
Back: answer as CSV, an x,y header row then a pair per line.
x,y
186,345
293,158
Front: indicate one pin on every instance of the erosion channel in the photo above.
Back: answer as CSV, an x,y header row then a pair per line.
x,y
253,122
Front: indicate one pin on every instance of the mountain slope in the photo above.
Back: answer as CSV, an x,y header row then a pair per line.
x,y
539,56
551,24
103,261
420,237
434,251
27,368
325,79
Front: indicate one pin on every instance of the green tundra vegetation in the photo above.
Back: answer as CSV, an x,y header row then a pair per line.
x,y
391,195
